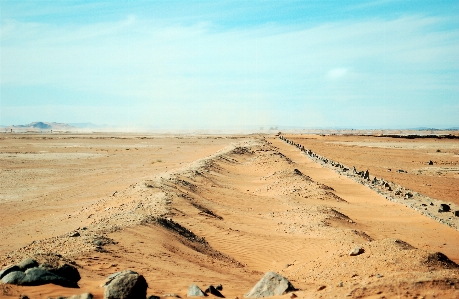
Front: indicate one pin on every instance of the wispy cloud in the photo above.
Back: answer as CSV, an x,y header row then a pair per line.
x,y
203,74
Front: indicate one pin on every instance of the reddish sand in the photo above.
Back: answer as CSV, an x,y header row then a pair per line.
x,y
260,205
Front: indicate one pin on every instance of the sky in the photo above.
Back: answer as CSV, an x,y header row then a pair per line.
x,y
224,64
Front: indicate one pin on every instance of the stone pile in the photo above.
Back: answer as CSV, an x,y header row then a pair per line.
x,y
30,273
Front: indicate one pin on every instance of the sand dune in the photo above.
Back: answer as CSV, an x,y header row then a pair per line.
x,y
224,211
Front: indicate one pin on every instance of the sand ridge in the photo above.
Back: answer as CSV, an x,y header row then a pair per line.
x,y
255,206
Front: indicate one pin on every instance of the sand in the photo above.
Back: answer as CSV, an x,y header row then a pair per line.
x,y
252,203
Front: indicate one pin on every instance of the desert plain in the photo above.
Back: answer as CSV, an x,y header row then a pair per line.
x,y
225,209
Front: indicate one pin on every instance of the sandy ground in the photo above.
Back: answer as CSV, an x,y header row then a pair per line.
x,y
212,210
385,157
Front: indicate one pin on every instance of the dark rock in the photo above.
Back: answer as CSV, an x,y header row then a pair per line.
x,y
74,234
14,277
9,269
430,162
456,213
68,272
213,290
438,259
40,276
272,284
195,291
356,251
366,176
444,208
125,285
219,287
23,297
27,264
408,195
154,297
296,171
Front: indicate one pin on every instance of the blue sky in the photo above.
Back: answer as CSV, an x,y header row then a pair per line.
x,y
224,64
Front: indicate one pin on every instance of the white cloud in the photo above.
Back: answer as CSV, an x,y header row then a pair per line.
x,y
148,65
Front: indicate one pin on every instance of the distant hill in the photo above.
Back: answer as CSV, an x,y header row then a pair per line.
x,y
39,125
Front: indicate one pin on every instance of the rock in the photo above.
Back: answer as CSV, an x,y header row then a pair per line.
x,y
321,288
272,284
23,297
195,291
74,234
219,287
456,213
444,208
356,251
213,290
27,264
296,171
68,272
430,162
154,297
14,277
366,176
9,269
39,276
408,195
125,285
114,275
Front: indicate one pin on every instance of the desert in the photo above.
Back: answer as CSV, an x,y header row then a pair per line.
x,y
224,210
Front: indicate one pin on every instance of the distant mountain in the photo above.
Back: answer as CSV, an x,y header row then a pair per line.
x,y
39,125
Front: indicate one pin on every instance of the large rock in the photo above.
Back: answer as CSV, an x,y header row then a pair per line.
x,y
9,269
14,277
27,264
29,273
195,291
40,276
68,272
444,208
126,285
272,284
